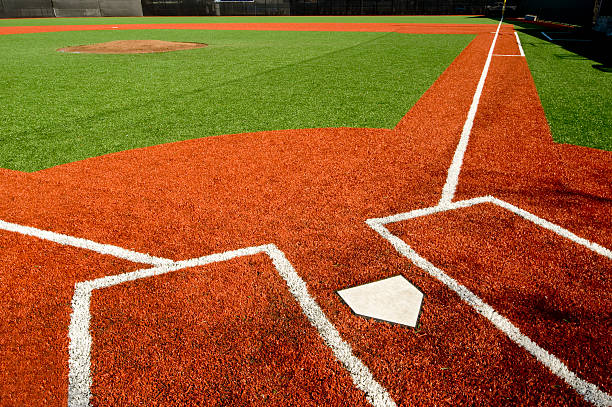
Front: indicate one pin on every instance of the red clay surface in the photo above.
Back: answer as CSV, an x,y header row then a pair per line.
x,y
233,323
36,286
309,192
511,256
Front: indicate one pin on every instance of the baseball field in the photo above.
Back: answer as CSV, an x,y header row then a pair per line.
x,y
177,228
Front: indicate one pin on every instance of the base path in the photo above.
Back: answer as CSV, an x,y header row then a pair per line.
x,y
230,333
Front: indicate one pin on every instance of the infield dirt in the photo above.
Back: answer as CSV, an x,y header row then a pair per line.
x,y
132,47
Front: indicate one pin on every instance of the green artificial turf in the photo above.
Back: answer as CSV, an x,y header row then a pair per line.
x,y
258,19
576,91
59,107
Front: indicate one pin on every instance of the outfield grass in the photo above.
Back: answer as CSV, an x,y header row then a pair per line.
x,y
258,19
576,96
60,108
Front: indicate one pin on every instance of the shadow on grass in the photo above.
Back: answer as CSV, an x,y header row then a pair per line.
x,y
581,41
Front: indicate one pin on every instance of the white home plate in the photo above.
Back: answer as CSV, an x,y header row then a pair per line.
x,y
393,299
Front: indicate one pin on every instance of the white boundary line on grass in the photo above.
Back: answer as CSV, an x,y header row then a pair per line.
x,y
588,390
518,42
80,340
452,178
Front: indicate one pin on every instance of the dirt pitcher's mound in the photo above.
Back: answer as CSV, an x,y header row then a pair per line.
x,y
132,47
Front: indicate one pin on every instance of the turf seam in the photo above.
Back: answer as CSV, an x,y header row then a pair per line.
x,y
74,122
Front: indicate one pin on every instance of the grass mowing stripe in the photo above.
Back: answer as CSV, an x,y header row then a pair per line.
x,y
247,19
66,107
576,96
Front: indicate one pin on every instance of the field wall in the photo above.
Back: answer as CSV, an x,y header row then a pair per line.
x,y
69,8
310,7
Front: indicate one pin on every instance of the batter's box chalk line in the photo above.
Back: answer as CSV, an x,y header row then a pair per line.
x,y
587,390
80,380
80,340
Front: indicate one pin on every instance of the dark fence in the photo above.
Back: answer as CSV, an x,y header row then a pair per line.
x,y
26,8
69,8
311,7
578,12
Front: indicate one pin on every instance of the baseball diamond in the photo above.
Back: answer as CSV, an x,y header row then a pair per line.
x,y
192,227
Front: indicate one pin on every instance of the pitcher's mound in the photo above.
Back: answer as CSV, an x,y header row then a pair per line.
x,y
132,47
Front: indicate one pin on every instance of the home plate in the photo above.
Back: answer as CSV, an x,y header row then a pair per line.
x,y
393,299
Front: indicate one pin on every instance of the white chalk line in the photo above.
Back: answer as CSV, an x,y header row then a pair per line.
x,y
452,177
518,42
589,391
362,377
603,251
79,387
66,240
514,209
80,340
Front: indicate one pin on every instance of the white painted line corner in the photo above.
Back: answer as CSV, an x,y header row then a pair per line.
x,y
79,386
589,391
80,340
518,42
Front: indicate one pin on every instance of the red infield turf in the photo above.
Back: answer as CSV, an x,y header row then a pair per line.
x,y
232,333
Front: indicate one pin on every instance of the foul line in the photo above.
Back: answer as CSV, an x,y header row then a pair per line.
x,y
66,240
518,42
588,390
80,340
448,192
